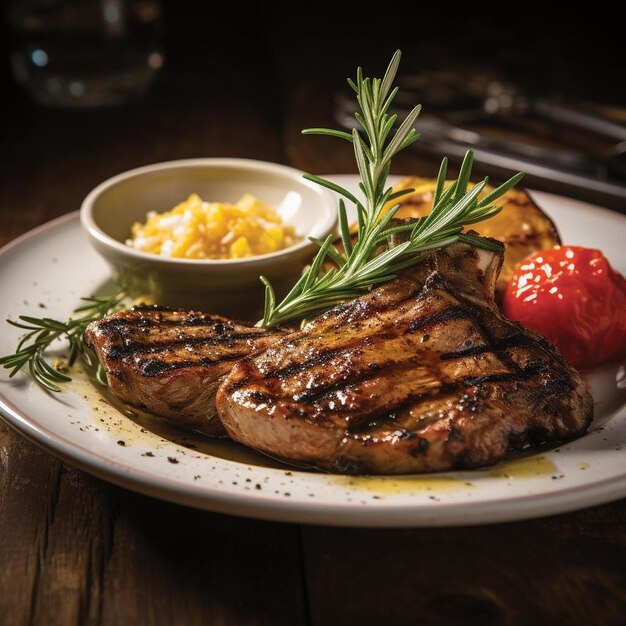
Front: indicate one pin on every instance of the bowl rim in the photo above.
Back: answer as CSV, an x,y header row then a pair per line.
x,y
88,223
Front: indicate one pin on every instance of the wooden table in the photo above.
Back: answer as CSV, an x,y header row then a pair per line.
x,y
76,550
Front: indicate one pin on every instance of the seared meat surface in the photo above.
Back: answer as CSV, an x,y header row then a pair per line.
x,y
421,374
170,363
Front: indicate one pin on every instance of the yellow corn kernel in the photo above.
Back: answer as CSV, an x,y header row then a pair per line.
x,y
240,248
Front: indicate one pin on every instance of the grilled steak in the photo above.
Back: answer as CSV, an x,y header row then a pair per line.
x,y
421,374
170,363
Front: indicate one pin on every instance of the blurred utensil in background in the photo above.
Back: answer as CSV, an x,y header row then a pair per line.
x,y
85,53
574,151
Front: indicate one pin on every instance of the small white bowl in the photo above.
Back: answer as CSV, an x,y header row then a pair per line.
x,y
230,286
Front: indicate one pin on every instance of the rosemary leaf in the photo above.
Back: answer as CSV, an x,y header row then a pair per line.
x,y
362,264
31,349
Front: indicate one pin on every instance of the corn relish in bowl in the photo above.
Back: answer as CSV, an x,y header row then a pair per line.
x,y
192,252
196,229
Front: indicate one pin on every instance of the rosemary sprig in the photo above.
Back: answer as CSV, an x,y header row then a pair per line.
x,y
360,266
43,331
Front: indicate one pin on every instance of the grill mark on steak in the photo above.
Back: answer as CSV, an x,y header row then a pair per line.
x,y
389,415
169,346
155,367
515,340
485,332
516,376
319,359
448,314
350,380
466,351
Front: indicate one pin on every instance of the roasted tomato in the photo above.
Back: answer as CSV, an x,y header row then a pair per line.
x,y
574,298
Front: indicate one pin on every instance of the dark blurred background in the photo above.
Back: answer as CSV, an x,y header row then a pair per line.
x,y
243,82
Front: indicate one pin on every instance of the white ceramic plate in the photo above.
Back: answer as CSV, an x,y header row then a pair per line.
x,y
52,266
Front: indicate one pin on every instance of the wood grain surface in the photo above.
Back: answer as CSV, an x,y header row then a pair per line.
x,y
76,550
